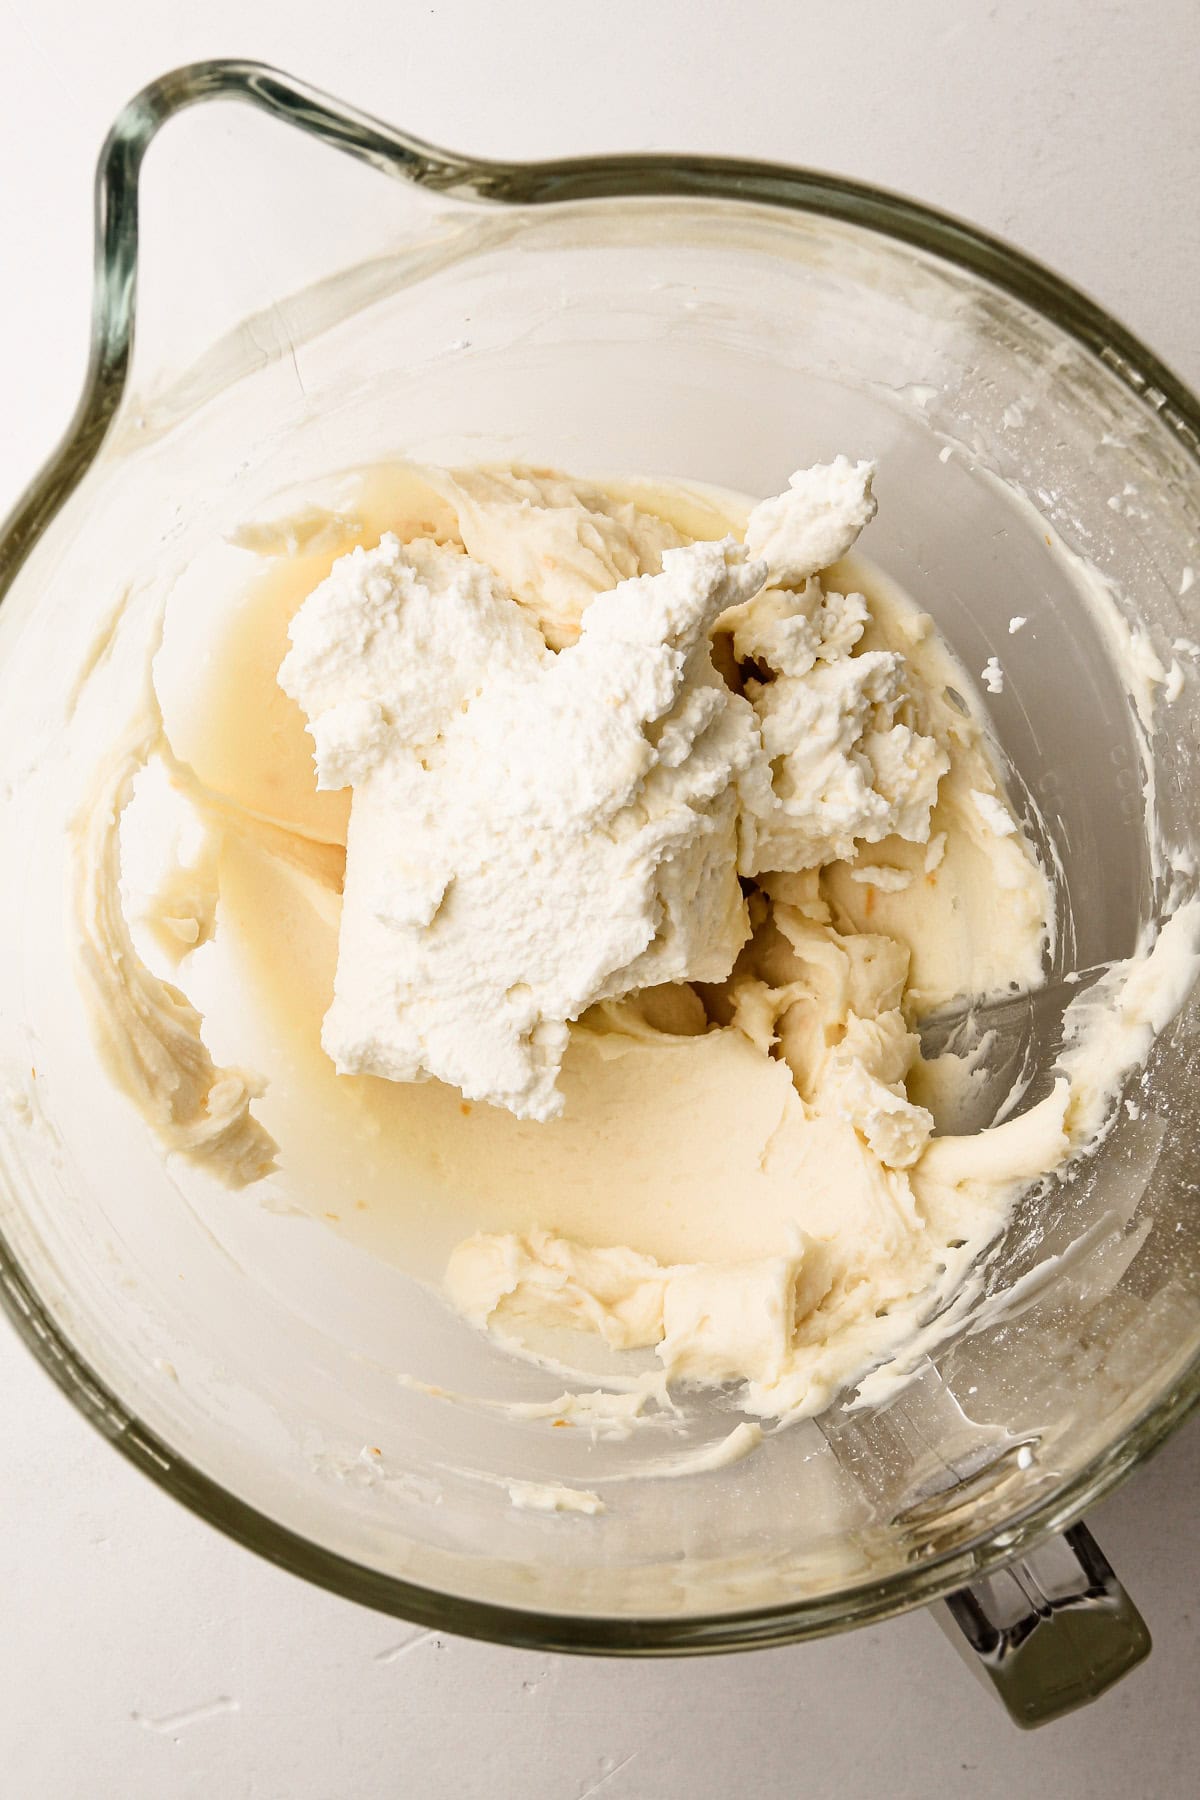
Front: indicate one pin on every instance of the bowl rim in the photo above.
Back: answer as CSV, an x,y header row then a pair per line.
x,y
534,184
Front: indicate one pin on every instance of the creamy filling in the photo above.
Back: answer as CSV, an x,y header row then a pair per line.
x,y
534,831
726,1154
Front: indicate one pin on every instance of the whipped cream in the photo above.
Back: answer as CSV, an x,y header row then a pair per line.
x,y
535,831
530,832
727,1155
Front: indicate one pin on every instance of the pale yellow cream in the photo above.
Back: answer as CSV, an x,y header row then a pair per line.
x,y
739,1180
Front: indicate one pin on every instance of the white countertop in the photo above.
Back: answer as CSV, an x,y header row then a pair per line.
x,y
142,1656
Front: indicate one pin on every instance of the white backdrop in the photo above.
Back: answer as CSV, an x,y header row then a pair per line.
x,y
141,1656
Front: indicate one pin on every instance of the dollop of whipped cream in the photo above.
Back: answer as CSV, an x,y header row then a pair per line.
x,y
533,830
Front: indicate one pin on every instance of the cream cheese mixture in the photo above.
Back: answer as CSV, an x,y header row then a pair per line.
x,y
578,972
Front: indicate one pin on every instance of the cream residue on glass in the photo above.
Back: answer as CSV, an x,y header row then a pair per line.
x,y
583,981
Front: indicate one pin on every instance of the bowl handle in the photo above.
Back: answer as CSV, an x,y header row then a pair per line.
x,y
1050,1632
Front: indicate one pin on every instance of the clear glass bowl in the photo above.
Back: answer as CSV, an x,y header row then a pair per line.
x,y
715,321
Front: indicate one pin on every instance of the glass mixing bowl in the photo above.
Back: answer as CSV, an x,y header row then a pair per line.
x,y
722,322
